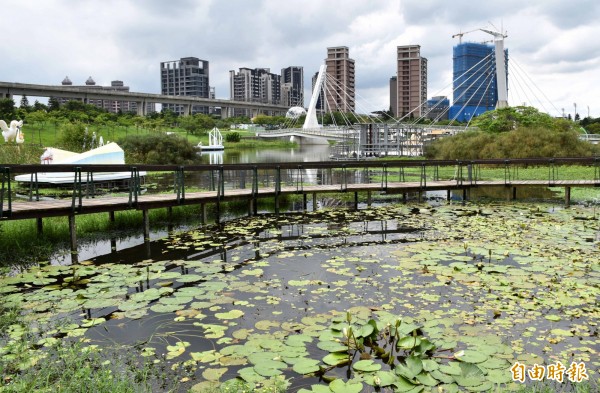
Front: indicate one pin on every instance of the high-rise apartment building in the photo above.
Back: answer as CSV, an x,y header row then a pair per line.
x,y
437,108
475,83
340,82
411,83
292,86
188,76
254,85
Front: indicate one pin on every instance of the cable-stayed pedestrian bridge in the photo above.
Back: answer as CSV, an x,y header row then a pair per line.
x,y
369,139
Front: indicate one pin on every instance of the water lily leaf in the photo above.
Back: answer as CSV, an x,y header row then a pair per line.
x,y
561,332
411,367
332,346
206,356
270,368
404,385
164,308
177,349
266,325
366,366
499,376
426,379
445,378
233,314
298,340
339,386
471,356
470,376
92,322
306,366
553,318
213,374
382,379
336,358
211,330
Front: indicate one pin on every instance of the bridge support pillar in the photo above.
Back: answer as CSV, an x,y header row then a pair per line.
x,y
73,237
250,207
464,195
141,108
514,193
567,196
369,201
40,226
203,217
111,216
225,112
146,224
448,195
314,200
355,200
304,203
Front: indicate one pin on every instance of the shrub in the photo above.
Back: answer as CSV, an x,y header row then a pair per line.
x,y
75,137
158,148
520,143
232,137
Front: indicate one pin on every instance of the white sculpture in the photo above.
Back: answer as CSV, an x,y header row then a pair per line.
x,y
10,134
20,138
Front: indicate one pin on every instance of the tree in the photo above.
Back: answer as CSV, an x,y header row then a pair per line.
x,y
511,118
38,106
24,104
7,109
53,104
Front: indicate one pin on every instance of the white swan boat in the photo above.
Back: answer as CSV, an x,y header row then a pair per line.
x,y
110,153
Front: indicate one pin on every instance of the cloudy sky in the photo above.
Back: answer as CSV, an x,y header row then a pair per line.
x,y
553,44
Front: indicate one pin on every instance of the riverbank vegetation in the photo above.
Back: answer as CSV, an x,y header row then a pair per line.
x,y
78,127
515,132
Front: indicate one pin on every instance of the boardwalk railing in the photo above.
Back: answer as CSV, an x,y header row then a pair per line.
x,y
170,185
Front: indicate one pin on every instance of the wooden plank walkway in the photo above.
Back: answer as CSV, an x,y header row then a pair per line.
x,y
24,209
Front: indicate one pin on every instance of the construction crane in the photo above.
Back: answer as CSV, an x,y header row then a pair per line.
x,y
460,35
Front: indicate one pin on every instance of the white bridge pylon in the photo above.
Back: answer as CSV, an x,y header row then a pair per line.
x,y
311,122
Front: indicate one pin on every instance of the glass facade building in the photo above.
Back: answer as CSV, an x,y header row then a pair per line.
x,y
474,75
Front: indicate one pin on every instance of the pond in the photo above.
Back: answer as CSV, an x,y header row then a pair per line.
x,y
396,297
302,153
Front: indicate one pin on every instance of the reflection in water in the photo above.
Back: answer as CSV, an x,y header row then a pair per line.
x,y
302,153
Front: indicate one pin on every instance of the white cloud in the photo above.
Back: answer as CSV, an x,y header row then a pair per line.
x,y
552,41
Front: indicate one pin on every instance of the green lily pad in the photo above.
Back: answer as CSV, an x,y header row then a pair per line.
x,y
366,366
339,386
306,366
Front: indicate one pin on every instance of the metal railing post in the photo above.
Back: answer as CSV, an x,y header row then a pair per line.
x,y
180,184
300,180
278,180
134,186
552,172
89,183
384,177
77,194
507,180
5,193
221,185
34,175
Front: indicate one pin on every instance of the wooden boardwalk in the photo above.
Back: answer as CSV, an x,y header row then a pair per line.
x,y
251,182
25,209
